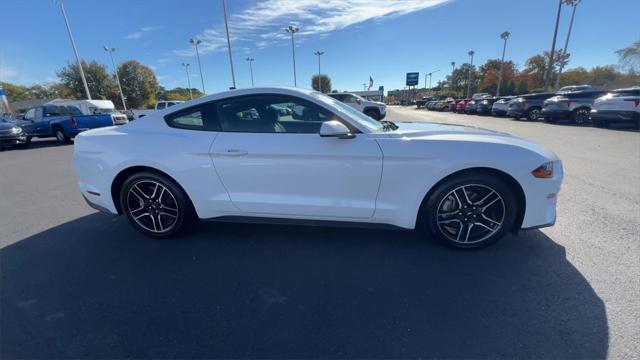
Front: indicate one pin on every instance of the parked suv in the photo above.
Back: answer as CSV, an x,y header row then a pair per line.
x,y
574,88
529,106
501,106
483,106
373,109
570,105
622,105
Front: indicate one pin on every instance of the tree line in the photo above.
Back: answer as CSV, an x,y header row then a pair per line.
x,y
139,85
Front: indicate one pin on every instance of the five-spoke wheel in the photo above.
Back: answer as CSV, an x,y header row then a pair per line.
x,y
470,211
154,204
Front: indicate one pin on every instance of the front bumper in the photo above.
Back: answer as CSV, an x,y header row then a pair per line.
x,y
14,139
541,197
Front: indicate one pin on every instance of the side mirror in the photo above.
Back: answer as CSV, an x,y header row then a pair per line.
x,y
358,101
334,128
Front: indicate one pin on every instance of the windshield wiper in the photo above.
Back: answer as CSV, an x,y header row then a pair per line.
x,y
388,125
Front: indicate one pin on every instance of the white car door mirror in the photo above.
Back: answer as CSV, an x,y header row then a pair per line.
x,y
334,128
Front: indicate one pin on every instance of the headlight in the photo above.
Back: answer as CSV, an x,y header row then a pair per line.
x,y
16,130
544,171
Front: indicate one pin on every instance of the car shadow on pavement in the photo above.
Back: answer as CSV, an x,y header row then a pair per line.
x,y
94,288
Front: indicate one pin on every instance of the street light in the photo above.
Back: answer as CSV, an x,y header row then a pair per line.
x,y
195,43
504,36
574,4
251,60
186,68
430,74
75,50
470,53
115,70
319,53
292,30
226,27
453,69
547,74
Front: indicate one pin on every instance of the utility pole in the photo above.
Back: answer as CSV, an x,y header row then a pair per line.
x,y
226,27
115,70
504,36
574,4
75,50
186,68
453,69
547,74
319,53
195,43
470,53
250,61
292,30
430,75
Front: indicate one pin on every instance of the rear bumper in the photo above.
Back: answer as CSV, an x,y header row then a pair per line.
x,y
556,114
614,116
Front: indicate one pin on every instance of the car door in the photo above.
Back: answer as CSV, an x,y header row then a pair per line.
x,y
28,121
273,162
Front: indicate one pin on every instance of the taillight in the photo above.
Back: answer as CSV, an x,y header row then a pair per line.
x,y
74,123
544,171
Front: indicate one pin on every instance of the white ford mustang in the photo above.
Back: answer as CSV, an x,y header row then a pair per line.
x,y
279,153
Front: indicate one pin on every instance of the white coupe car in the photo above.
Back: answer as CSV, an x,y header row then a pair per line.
x,y
236,155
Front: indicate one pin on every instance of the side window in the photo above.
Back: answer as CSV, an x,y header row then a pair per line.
x,y
271,114
38,114
349,99
161,106
30,115
200,117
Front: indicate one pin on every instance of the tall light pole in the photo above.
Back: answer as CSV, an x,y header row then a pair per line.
x,y
504,36
453,69
547,74
292,30
430,75
195,43
226,27
574,4
115,70
250,60
364,87
470,53
186,68
319,53
75,50
425,80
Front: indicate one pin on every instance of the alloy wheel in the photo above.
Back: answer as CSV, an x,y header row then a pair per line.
x,y
152,206
470,214
581,116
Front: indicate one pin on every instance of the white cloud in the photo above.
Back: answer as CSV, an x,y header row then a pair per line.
x,y
140,33
262,24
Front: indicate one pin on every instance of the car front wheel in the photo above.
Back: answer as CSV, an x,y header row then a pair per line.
x,y
470,211
155,205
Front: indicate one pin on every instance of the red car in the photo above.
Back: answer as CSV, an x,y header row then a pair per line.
x,y
461,105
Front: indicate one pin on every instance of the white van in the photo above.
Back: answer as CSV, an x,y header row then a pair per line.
x,y
93,107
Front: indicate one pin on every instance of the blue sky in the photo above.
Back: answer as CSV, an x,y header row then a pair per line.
x,y
379,38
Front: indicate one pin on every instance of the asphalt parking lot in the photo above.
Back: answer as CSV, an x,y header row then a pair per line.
x,y
80,284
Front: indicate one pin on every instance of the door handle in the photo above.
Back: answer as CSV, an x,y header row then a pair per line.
x,y
233,152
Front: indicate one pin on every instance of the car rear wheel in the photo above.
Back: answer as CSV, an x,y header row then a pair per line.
x,y
580,116
155,205
61,136
533,114
471,211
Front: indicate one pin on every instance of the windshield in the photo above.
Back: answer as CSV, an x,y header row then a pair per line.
x,y
105,111
361,118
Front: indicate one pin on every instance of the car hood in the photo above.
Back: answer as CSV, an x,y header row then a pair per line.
x,y
430,131
7,125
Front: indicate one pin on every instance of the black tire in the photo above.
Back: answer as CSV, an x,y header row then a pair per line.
x,y
533,114
148,207
580,116
372,114
61,136
434,217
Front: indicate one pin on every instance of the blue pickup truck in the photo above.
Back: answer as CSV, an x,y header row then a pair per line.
x,y
60,121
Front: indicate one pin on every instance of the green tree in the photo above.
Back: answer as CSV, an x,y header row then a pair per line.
x,y
325,83
490,75
629,57
16,92
139,84
181,94
101,84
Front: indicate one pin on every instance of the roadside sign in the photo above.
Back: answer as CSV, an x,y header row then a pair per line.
x,y
413,78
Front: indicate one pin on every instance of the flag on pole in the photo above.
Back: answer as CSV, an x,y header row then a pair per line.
x,y
4,104
370,82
